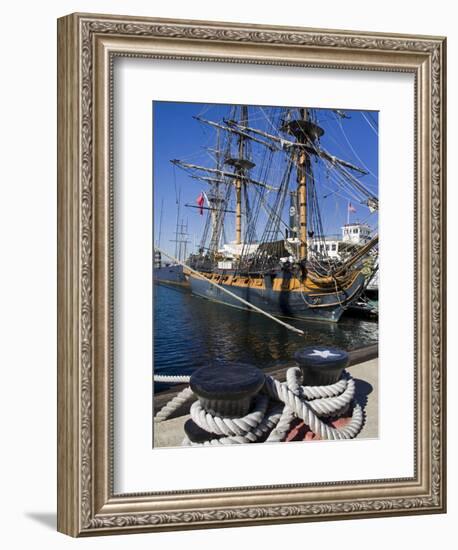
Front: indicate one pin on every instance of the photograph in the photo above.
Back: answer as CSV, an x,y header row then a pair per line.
x,y
251,249
265,274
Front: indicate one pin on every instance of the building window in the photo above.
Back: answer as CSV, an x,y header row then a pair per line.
x,y
334,247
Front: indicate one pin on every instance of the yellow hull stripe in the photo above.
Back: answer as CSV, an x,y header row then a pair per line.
x,y
281,285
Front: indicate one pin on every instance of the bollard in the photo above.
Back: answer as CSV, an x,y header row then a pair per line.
x,y
321,365
227,390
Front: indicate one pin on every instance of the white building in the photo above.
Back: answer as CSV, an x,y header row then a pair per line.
x,y
356,233
333,247
329,246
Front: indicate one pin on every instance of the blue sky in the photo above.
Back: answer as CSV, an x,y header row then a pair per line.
x,y
177,135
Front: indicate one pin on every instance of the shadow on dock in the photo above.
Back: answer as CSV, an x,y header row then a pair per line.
x,y
362,390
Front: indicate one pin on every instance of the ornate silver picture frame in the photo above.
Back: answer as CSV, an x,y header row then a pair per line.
x,y
87,47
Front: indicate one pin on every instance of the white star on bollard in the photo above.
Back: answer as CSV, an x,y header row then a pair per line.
x,y
324,354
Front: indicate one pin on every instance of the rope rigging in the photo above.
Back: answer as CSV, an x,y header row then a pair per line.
x,y
255,203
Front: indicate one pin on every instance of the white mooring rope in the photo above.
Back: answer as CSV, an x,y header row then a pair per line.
x,y
172,379
274,409
180,400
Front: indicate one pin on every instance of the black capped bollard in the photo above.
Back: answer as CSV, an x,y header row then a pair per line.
x,y
227,390
321,365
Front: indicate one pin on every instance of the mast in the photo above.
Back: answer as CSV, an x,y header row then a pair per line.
x,y
178,202
302,165
293,214
214,199
157,257
160,224
238,211
238,181
181,240
306,134
241,164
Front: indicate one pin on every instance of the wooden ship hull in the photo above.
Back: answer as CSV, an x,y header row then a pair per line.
x,y
281,296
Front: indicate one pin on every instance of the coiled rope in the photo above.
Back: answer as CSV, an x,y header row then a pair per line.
x,y
274,409
180,400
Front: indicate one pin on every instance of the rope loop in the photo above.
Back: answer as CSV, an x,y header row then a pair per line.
x,y
274,410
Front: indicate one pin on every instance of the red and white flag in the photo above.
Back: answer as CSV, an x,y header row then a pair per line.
x,y
351,208
200,202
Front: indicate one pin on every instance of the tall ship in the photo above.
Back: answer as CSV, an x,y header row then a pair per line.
x,y
261,186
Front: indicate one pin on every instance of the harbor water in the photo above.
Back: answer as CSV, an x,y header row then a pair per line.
x,y
191,332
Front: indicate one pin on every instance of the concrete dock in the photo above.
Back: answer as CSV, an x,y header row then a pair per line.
x,y
170,433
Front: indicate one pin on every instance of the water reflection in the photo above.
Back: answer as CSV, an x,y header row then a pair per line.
x,y
190,332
